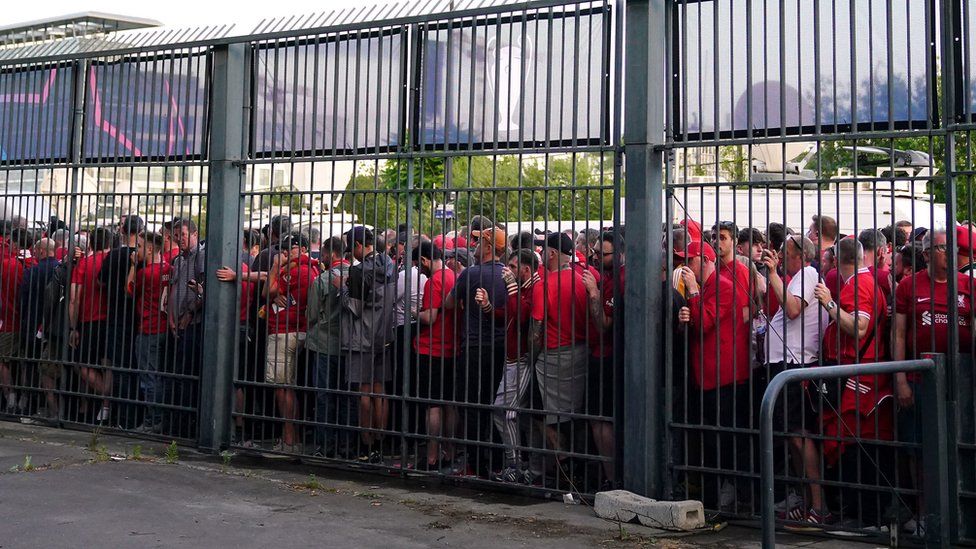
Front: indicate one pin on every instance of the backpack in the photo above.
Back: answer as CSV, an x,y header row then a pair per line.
x,y
54,312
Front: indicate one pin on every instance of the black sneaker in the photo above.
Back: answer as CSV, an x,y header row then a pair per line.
x,y
510,475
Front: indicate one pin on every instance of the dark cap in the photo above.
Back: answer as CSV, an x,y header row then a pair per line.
x,y
480,223
426,250
132,224
294,239
561,242
359,234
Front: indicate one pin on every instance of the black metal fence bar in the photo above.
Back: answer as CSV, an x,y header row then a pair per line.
x,y
933,367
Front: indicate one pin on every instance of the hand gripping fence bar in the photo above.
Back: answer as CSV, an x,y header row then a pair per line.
x,y
936,484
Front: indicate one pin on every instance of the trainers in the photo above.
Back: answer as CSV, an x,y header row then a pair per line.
x,y
11,406
103,415
373,457
727,497
790,508
285,448
510,474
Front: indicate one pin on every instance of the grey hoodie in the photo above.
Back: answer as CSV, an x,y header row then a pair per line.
x,y
368,298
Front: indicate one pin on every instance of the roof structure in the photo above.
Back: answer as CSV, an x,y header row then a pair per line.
x,y
77,25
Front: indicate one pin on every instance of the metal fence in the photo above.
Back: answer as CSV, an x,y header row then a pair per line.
x,y
321,213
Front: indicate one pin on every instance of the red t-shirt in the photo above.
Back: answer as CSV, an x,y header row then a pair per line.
x,y
11,274
147,288
169,256
601,342
440,338
719,335
927,307
294,280
860,298
94,306
560,301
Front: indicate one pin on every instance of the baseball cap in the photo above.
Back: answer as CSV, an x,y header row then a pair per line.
x,y
965,240
443,242
358,234
497,236
697,249
561,242
479,223
294,239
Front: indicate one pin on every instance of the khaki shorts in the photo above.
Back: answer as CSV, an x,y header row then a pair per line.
x,y
282,364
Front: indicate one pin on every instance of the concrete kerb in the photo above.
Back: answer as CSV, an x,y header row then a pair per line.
x,y
624,506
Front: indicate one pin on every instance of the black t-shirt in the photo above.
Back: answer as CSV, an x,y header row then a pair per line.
x,y
115,270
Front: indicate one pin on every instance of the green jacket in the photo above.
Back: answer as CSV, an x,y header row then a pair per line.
x,y
323,311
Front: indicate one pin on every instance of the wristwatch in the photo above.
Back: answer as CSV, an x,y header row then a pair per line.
x,y
831,305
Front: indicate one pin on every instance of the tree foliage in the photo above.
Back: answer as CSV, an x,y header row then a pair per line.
x,y
506,188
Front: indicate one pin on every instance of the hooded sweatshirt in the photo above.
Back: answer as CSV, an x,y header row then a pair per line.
x,y
368,298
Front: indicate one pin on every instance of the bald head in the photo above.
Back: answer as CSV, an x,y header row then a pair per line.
x,y
44,248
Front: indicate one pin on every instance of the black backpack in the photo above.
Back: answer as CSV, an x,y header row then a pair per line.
x,y
54,313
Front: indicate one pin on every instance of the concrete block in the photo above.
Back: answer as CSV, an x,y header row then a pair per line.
x,y
672,515
626,506
618,505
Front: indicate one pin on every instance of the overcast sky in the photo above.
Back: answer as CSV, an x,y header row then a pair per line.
x,y
176,12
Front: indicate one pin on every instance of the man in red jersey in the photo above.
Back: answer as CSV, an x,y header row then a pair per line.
x,y
88,316
513,389
719,361
922,305
436,348
287,293
603,294
559,331
857,323
12,268
146,283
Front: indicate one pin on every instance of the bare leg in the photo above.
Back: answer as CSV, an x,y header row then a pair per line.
x,y
366,414
603,439
381,408
6,382
811,461
450,429
286,404
434,427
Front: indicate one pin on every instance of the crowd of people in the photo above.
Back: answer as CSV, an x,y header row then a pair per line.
x,y
492,351
751,304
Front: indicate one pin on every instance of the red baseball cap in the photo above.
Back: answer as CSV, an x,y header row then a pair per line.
x,y
964,239
697,249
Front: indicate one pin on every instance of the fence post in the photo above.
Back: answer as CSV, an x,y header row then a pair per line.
x,y
646,45
224,205
935,441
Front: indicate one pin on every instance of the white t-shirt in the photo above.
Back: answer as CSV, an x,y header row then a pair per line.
x,y
803,333
417,281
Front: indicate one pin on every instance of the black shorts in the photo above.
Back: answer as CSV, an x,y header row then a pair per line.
x,y
599,387
795,411
433,377
91,348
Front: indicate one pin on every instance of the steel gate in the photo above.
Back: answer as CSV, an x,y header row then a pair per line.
x,y
355,161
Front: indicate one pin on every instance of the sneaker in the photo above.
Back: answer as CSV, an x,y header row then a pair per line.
x,y
373,457
812,521
727,497
282,447
103,415
914,526
149,429
790,508
510,474
11,406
